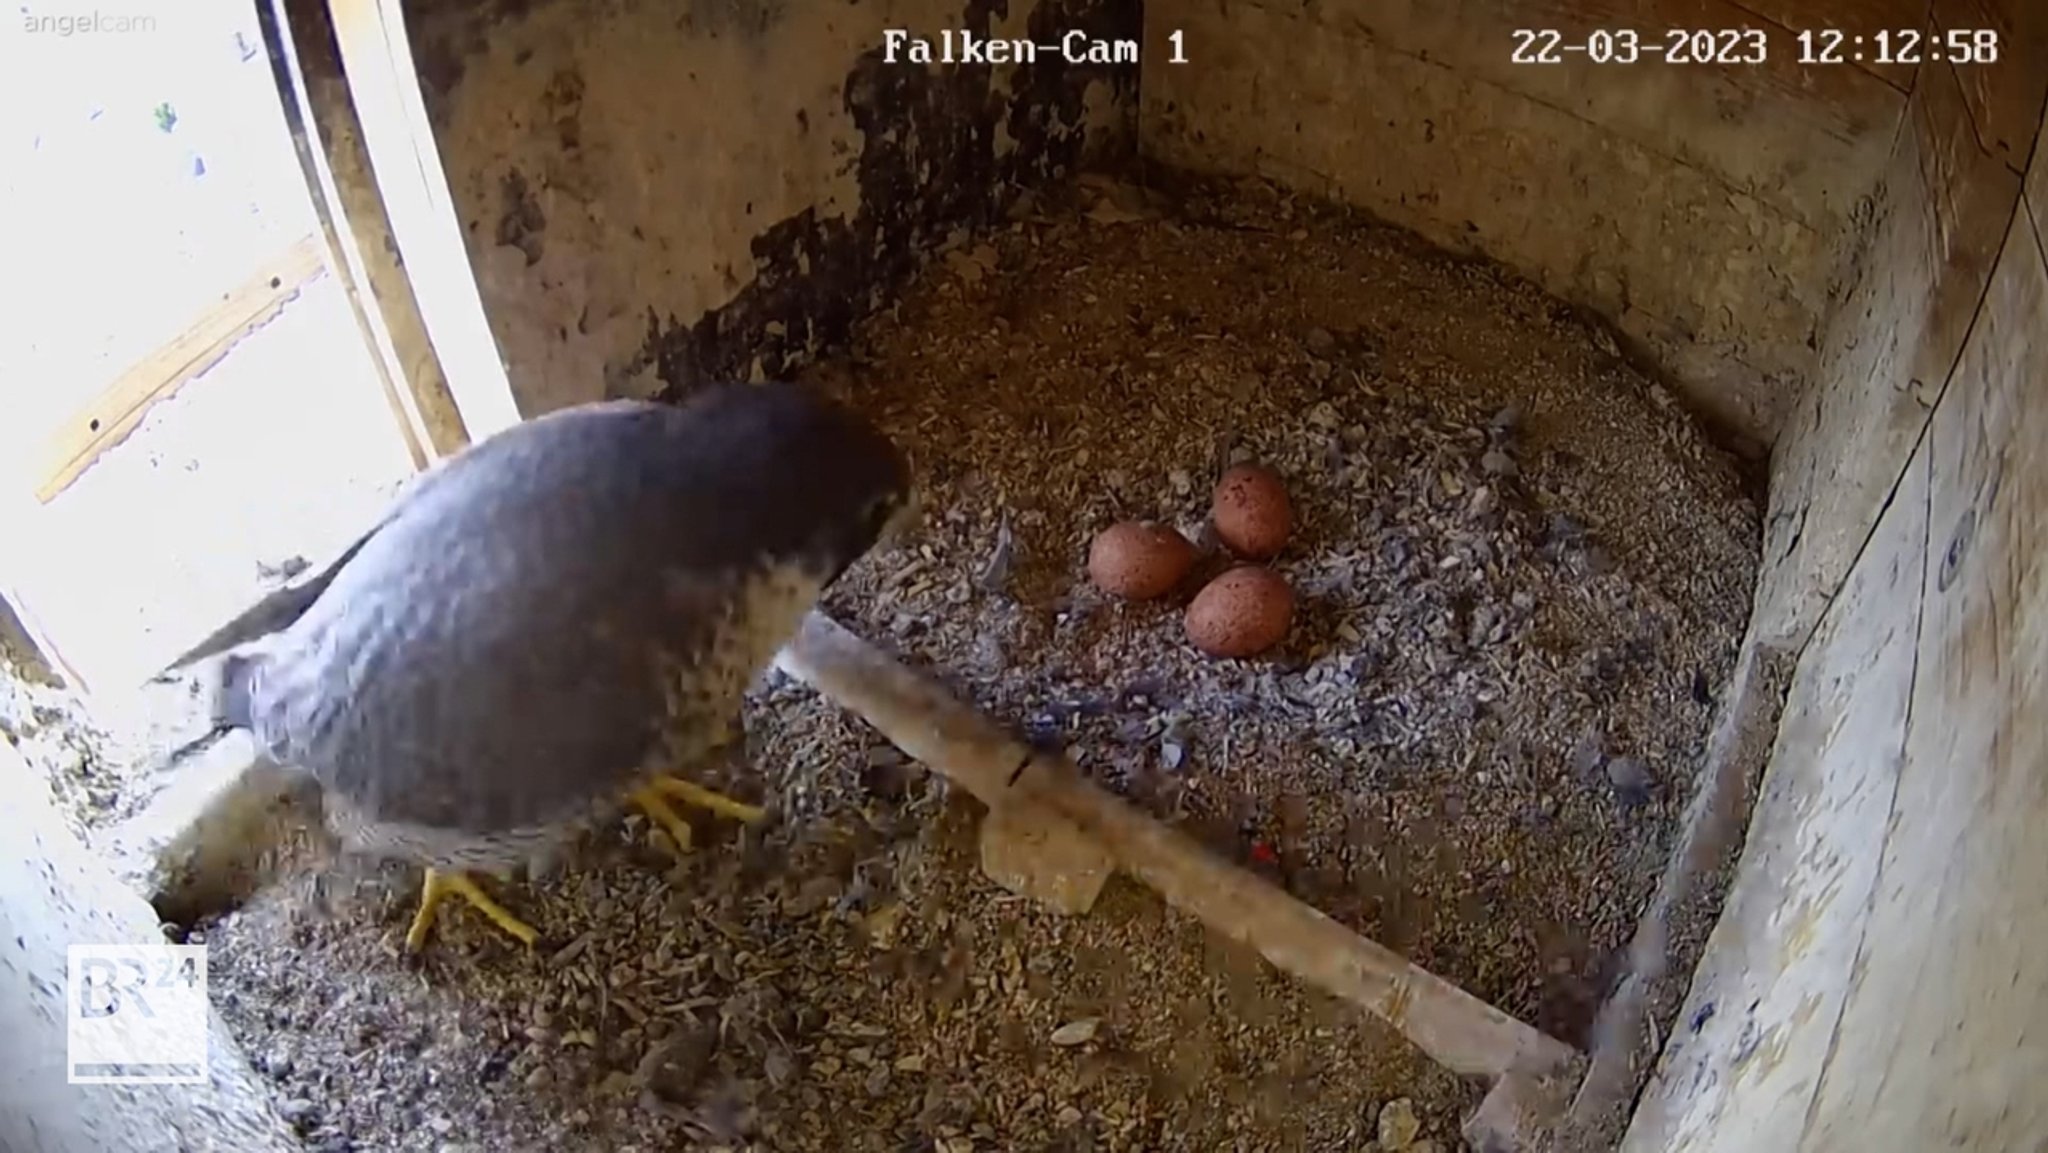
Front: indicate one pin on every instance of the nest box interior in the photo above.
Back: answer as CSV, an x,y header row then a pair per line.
x,y
1662,633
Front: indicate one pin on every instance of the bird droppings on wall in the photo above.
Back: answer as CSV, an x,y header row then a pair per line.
x,y
463,32
563,101
523,222
722,191
943,149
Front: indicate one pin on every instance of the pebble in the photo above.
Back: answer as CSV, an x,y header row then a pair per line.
x,y
1587,756
298,1111
1076,1032
1485,626
1631,781
1398,1125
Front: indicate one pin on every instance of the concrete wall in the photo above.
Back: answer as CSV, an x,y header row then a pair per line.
x,y
657,192
1874,982
1705,210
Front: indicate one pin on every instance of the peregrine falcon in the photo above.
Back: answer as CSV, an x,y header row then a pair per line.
x,y
554,619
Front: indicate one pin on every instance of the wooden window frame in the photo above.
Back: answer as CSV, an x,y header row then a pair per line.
x,y
374,174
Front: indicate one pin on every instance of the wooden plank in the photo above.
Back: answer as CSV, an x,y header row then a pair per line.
x,y
1458,1030
1771,984
2005,97
1973,197
1885,356
117,412
2037,175
321,120
377,57
1943,1043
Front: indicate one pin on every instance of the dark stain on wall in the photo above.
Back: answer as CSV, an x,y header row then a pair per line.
x,y
563,104
459,32
449,34
928,165
522,224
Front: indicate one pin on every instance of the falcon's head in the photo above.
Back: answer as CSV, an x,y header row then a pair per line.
x,y
822,486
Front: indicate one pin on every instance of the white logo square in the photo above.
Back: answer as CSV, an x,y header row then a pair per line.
x,y
136,1014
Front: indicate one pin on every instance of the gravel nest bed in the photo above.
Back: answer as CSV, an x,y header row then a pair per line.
x,y
1522,573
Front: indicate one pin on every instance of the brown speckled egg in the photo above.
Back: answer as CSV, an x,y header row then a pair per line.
x,y
1251,513
1241,613
1139,560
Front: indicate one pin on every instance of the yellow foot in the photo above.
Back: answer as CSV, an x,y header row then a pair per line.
x,y
654,798
439,885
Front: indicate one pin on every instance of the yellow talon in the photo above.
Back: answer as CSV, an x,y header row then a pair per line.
x,y
654,797
657,806
439,885
704,798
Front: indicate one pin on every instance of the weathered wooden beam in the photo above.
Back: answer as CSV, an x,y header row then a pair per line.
x,y
1458,1030
383,85
321,120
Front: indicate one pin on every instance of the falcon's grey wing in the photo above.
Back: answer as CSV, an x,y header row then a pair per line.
x,y
508,648
279,608
274,613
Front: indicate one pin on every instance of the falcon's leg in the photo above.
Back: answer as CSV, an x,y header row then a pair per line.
x,y
439,885
654,798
